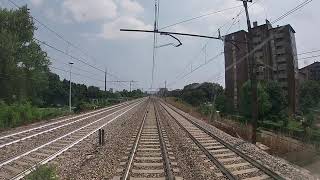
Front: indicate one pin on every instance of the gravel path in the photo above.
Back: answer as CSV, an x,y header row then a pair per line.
x,y
279,165
89,161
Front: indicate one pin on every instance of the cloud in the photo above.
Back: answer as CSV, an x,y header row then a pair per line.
x,y
84,10
36,2
131,7
112,30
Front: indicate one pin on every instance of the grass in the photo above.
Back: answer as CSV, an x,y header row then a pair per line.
x,y
20,114
43,172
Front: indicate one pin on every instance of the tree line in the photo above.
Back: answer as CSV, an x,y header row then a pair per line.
x,y
272,101
24,69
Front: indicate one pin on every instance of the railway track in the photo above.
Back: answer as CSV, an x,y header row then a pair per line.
x,y
13,138
22,164
224,160
149,154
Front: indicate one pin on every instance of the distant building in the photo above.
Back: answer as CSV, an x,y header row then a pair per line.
x,y
310,72
275,57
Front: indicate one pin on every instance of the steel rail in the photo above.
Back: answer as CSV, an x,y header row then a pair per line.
x,y
32,168
163,146
263,168
214,160
60,121
48,143
60,126
134,148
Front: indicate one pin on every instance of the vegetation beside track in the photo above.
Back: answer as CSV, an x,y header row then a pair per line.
x,y
30,91
43,172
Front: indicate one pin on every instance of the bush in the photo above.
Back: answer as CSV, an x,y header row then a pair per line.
x,y
19,114
84,106
43,172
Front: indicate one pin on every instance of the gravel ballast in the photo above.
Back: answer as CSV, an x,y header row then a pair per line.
x,y
87,160
281,166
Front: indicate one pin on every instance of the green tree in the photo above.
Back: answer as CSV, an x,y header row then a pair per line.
x,y
277,97
23,65
264,104
309,96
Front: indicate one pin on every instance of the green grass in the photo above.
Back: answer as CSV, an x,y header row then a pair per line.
x,y
43,172
20,114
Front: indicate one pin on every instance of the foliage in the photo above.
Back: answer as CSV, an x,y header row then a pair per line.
x,y
43,172
18,114
84,106
264,105
277,98
309,95
197,94
24,66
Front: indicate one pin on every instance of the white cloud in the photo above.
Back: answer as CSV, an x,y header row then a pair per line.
x,y
131,6
36,2
84,10
112,30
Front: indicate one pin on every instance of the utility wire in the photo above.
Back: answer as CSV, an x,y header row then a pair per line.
x,y
77,74
234,19
198,17
301,5
195,69
309,52
56,33
74,67
65,40
309,57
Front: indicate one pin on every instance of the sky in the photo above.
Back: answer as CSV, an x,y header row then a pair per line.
x,y
93,27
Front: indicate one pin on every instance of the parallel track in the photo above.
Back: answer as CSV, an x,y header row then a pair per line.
x,y
149,154
19,166
10,139
228,161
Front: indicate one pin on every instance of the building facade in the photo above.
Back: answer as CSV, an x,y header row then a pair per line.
x,y
310,72
275,56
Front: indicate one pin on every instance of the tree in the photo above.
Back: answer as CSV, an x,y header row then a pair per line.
x,y
264,104
309,95
277,97
24,65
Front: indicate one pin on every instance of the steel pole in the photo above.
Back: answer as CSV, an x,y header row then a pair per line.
x,y
70,89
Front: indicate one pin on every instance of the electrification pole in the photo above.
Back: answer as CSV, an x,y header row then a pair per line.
x,y
70,109
130,85
253,78
105,80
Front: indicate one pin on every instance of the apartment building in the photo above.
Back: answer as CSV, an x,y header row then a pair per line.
x,y
310,72
275,56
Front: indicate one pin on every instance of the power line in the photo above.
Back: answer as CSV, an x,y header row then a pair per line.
x,y
301,5
309,57
233,19
67,41
77,74
57,34
198,17
309,52
195,69
75,67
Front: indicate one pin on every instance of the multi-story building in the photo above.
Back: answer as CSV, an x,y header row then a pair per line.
x,y
310,72
275,56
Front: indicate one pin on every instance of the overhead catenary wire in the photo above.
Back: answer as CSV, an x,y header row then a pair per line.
x,y
301,5
199,17
309,52
234,19
66,41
